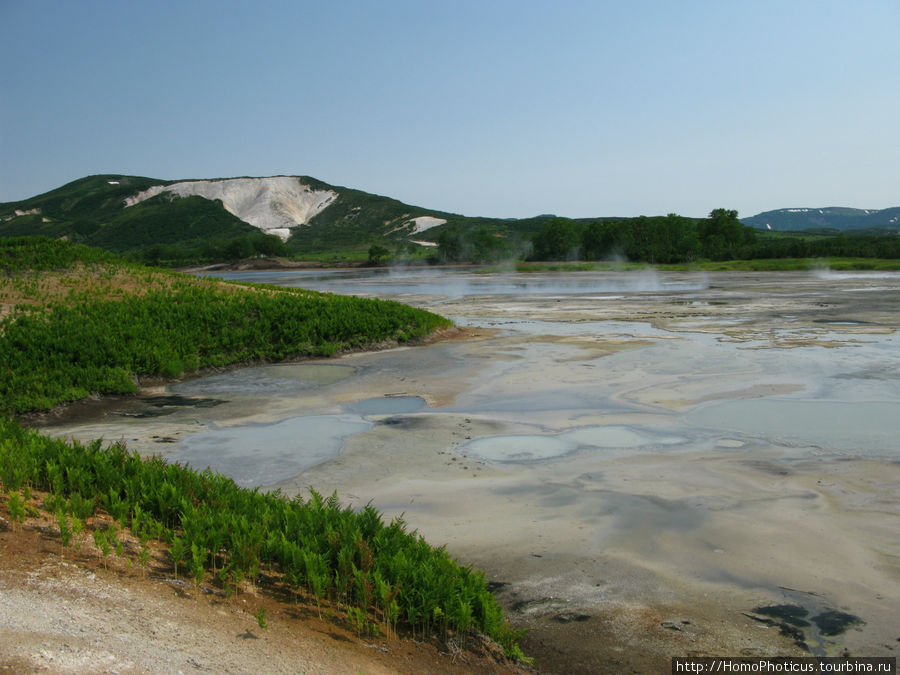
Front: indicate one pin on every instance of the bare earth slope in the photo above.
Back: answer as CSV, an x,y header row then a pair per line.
x,y
61,611
272,204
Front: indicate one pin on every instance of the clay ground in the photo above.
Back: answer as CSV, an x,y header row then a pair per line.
x,y
64,610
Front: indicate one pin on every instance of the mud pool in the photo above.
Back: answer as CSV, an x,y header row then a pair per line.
x,y
655,454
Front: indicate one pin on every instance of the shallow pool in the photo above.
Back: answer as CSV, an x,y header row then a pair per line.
x,y
263,454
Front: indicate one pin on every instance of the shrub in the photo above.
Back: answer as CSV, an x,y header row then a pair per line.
x,y
367,568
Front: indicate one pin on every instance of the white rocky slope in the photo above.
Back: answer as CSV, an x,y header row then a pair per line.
x,y
274,204
423,223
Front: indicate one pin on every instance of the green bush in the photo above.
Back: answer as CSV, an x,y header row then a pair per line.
x,y
60,350
377,573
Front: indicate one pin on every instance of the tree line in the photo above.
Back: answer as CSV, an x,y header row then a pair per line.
x,y
656,240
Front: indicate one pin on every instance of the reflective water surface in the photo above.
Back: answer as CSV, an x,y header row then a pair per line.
x,y
456,284
263,454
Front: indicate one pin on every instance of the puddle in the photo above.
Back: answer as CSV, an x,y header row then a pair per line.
x,y
535,447
868,427
519,448
388,405
264,454
130,407
617,437
534,403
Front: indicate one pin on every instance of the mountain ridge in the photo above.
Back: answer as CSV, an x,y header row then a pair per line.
x,y
828,217
129,214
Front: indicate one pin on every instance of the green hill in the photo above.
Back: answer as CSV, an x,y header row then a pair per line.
x,y
92,211
178,222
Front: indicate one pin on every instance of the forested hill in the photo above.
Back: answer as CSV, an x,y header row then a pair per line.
x,y
828,218
200,221
221,219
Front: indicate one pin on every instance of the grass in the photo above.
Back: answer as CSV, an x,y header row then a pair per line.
x,y
76,322
72,325
378,575
353,255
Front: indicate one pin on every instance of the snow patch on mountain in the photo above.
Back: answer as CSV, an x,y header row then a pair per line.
x,y
274,204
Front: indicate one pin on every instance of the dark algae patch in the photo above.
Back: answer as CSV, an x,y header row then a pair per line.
x,y
158,406
792,614
788,619
793,622
566,617
834,623
175,401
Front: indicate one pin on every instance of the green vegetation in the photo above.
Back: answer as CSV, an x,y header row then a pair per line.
x,y
76,321
354,221
36,254
261,617
668,239
674,239
161,230
381,577
827,245
478,244
357,221
172,231
377,254
99,327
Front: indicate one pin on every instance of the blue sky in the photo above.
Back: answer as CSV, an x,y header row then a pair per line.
x,y
497,108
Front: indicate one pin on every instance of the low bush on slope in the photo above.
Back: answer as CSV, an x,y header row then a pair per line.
x,y
379,576
73,325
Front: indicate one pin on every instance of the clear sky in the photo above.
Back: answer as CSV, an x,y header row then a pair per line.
x,y
505,108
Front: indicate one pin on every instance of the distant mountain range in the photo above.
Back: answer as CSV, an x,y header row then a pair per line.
x,y
829,218
132,213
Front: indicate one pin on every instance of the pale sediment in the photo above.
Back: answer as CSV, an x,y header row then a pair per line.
x,y
661,536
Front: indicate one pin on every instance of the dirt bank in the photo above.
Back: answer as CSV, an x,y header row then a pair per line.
x,y
63,611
